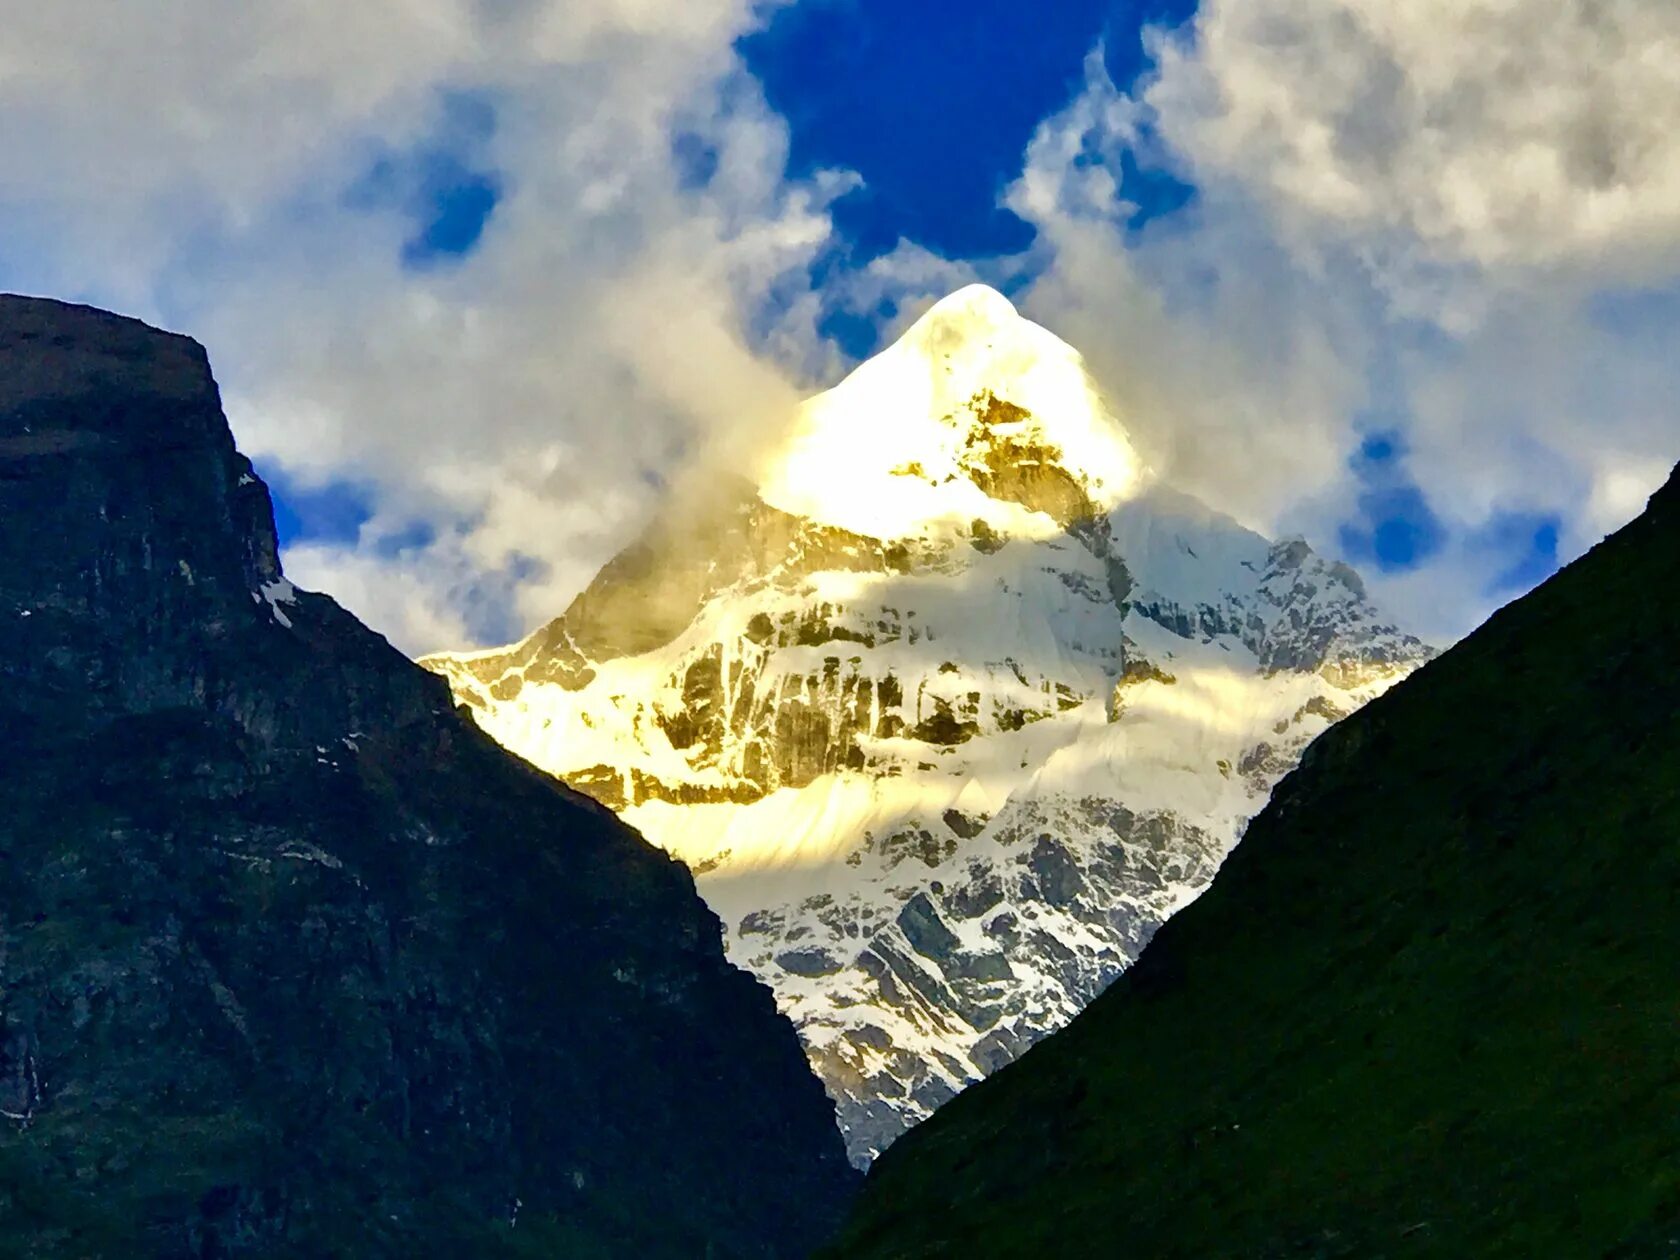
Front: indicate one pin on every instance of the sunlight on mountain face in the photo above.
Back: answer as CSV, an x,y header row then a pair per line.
x,y
1153,741
893,449
949,710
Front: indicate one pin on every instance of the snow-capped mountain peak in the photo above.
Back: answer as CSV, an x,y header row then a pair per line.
x,y
947,709
941,429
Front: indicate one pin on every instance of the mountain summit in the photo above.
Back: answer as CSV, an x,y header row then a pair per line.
x,y
974,414
948,708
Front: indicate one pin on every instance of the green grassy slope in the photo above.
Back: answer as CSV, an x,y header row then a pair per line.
x,y
1431,1007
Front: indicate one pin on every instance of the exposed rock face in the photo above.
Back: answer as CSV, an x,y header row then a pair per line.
x,y
948,710
292,958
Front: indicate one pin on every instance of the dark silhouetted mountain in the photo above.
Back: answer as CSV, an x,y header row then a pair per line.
x,y
293,960
1430,1007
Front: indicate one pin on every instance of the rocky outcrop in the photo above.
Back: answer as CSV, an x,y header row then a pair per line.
x,y
292,958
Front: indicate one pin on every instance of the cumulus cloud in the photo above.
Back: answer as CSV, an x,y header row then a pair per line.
x,y
1456,221
418,602
135,131
210,168
1523,133
1229,387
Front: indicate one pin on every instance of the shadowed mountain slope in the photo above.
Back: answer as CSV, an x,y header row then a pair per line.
x,y
293,960
1430,1006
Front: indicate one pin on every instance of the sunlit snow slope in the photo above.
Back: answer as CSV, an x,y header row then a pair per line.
x,y
948,708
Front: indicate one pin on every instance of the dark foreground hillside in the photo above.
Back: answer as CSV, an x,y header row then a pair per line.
x,y
293,961
1431,1006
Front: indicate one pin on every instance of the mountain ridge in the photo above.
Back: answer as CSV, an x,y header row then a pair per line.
x,y
294,959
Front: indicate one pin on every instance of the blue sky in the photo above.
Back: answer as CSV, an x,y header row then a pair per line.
x,y
933,104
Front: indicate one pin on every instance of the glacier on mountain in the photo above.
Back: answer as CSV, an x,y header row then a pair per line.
x,y
948,705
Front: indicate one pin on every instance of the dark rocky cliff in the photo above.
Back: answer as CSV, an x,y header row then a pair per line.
x,y
293,960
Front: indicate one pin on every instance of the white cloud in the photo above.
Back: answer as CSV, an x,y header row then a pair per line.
x,y
133,129
1498,133
1234,384
406,601
189,162
1406,215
